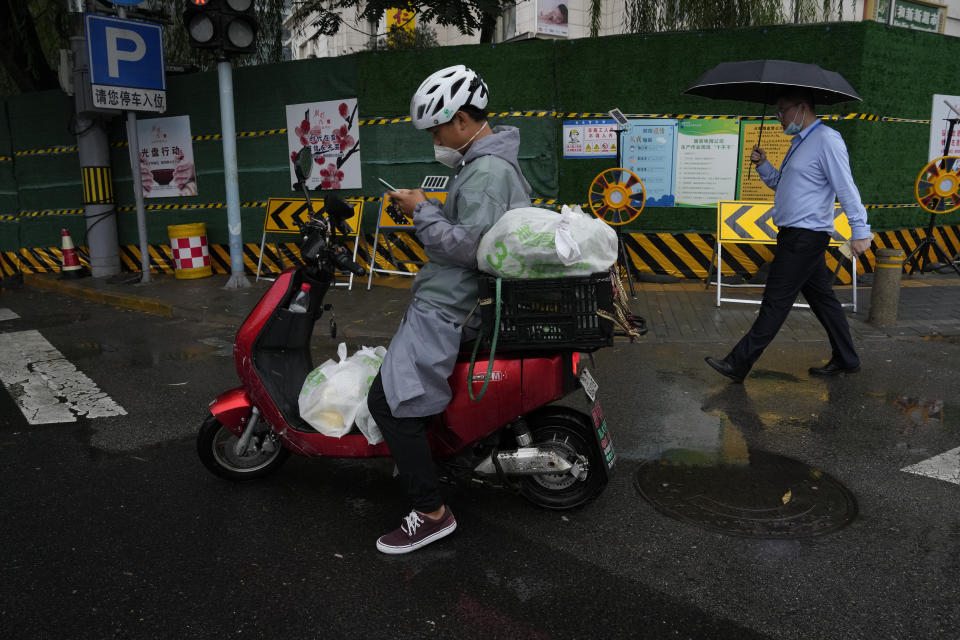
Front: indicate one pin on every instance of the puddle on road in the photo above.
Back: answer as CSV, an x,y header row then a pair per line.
x,y
705,469
209,347
919,408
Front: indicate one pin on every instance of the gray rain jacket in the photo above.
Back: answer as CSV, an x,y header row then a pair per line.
x,y
424,350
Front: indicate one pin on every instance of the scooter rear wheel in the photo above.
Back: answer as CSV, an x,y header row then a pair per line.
x,y
567,433
215,446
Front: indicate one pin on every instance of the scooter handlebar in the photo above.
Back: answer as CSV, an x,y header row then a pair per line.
x,y
344,263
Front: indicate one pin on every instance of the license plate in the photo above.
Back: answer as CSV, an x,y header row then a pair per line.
x,y
589,384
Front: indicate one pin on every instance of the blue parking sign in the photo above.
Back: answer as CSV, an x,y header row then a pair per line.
x,y
126,64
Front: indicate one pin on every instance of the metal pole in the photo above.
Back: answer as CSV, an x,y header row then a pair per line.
x,y
228,133
891,5
93,151
133,141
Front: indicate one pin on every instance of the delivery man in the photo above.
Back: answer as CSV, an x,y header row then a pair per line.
x,y
412,384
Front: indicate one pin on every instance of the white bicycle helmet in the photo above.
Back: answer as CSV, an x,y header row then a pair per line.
x,y
443,93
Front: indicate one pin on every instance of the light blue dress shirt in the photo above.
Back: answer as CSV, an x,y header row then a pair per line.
x,y
814,174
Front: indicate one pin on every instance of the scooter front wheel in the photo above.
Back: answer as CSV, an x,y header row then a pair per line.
x,y
216,448
567,433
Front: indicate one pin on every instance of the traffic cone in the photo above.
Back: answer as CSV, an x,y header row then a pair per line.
x,y
71,263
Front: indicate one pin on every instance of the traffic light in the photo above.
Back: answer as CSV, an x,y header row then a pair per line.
x,y
229,26
201,19
238,22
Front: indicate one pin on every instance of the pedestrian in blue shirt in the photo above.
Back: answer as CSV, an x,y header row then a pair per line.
x,y
815,172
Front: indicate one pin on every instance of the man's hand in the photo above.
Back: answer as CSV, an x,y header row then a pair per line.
x,y
860,247
758,156
407,199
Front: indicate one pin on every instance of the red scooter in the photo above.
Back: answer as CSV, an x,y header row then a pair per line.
x,y
512,436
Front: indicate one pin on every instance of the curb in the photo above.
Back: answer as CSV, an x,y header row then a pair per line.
x,y
136,303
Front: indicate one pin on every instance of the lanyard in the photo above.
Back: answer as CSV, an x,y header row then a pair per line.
x,y
795,147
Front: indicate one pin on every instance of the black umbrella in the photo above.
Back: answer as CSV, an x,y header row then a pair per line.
x,y
763,80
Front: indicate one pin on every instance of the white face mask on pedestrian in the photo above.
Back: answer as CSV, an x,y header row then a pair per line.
x,y
451,157
795,127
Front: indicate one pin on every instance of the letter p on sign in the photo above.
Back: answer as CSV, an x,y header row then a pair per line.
x,y
125,53
114,52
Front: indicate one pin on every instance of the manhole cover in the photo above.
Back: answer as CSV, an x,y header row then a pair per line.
x,y
766,496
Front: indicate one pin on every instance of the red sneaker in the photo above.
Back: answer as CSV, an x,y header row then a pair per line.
x,y
417,531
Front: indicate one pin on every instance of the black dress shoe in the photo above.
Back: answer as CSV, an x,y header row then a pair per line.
x,y
725,368
832,369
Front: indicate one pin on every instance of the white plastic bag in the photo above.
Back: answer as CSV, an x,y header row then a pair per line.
x,y
335,393
539,243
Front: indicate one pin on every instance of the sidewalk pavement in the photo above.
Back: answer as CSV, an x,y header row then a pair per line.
x,y
682,311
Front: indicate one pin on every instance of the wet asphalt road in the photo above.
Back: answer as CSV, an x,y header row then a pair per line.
x,y
112,528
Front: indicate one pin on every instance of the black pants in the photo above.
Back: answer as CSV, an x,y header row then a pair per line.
x,y
407,439
798,267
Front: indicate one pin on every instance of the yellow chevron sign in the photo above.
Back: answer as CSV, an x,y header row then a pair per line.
x,y
284,214
393,218
752,222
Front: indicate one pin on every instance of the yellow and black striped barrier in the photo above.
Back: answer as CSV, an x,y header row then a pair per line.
x,y
49,212
97,185
45,151
684,255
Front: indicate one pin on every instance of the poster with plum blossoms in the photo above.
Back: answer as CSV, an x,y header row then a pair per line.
x,y
330,130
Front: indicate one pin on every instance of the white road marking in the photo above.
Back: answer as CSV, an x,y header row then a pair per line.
x,y
47,387
6,314
945,466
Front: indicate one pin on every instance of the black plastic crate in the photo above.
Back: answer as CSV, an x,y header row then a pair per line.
x,y
550,313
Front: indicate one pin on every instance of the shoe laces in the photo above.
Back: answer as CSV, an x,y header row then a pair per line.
x,y
413,522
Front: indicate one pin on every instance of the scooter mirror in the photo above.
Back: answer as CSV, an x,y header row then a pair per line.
x,y
303,165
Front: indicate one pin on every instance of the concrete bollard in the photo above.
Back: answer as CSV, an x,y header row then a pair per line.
x,y
885,297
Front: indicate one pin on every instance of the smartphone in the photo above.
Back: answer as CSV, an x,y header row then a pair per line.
x,y
386,184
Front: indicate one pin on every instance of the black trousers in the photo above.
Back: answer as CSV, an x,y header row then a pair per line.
x,y
799,266
407,439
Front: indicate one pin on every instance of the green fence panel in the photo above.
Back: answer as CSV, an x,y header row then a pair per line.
x,y
9,234
636,73
9,195
41,121
887,157
49,181
44,231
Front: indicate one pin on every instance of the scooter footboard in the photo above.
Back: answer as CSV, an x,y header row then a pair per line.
x,y
232,408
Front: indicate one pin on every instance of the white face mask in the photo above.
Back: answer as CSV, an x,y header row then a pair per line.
x,y
795,127
451,157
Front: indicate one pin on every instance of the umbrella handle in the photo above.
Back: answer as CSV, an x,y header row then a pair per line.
x,y
760,135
